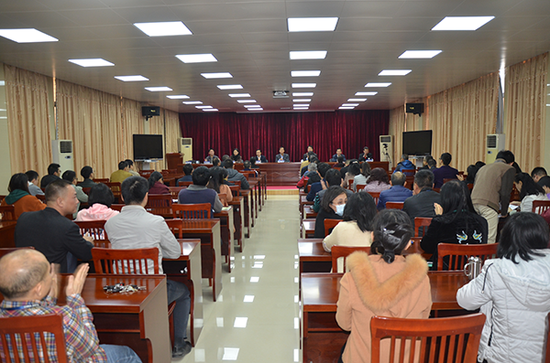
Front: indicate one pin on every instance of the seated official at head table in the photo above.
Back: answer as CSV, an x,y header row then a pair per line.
x,y
281,157
210,157
365,155
259,158
334,157
309,153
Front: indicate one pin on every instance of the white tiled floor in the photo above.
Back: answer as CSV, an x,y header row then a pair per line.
x,y
255,318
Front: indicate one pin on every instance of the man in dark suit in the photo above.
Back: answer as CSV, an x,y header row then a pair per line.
x,y
309,153
365,155
445,171
282,157
259,158
53,174
421,204
51,233
334,157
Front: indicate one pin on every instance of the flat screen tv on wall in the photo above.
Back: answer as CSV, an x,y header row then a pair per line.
x,y
147,147
417,142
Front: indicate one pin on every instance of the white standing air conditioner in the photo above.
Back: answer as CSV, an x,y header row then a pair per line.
x,y
185,147
495,143
386,148
62,154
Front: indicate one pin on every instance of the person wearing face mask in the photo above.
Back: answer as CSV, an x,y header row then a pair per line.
x,y
332,207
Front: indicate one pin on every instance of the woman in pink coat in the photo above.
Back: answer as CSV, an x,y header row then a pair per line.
x,y
100,199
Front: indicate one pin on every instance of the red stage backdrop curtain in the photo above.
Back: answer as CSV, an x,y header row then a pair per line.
x,y
325,131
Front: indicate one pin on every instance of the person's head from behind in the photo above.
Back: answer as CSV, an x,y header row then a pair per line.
x,y
404,157
471,171
544,182
313,159
392,232
54,169
313,178
25,274
228,164
423,179
334,200
216,161
101,194
123,166
246,165
323,168
188,169
333,177
32,176
87,172
527,186
361,208
425,159
69,176
365,169
523,235
61,196
134,190
507,156
201,176
130,164
154,178
398,179
340,160
446,159
312,167
379,176
354,169
217,177
538,173
225,157
455,196
479,164
432,163
19,181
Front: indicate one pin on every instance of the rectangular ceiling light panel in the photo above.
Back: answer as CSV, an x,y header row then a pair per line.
x,y
92,62
196,58
307,54
163,29
462,23
419,54
217,75
28,35
312,24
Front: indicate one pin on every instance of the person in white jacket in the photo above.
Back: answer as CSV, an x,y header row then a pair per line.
x,y
513,291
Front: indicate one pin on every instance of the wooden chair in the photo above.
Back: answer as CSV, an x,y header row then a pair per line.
x,y
192,211
5,250
86,190
236,182
175,191
176,226
454,339
375,196
445,180
419,222
115,188
101,180
184,183
41,197
146,173
248,173
458,254
102,243
235,190
7,213
330,224
30,333
160,204
343,252
394,205
125,262
540,206
360,187
2,197
96,229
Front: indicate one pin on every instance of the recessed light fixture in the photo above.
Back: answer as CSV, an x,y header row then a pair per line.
x,y
394,72
92,62
246,101
307,54
462,22
301,105
163,29
357,99
255,109
365,93
345,108
304,85
312,24
302,100
177,97
27,35
136,78
229,86
205,106
196,58
192,102
217,75
210,109
253,106
302,94
239,95
419,54
305,73
158,89
378,84
350,104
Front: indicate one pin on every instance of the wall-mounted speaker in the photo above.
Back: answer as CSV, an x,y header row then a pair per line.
x,y
415,108
149,111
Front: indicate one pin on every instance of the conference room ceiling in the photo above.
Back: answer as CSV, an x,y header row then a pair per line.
x,y
250,40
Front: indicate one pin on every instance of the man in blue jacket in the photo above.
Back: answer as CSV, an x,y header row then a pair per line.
x,y
405,163
397,193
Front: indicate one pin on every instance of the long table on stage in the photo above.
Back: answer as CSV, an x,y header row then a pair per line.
x,y
322,338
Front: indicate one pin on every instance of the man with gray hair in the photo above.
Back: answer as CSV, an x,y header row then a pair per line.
x,y
404,164
397,193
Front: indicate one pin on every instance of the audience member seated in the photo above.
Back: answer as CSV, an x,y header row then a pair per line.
x,y
225,157
312,178
29,286
445,171
432,164
404,164
309,154
365,155
529,191
121,174
134,228
253,163
210,157
425,160
34,189
384,284
334,157
20,197
456,221
236,156
311,169
544,182
187,171
421,204
156,184
345,169
378,181
397,192
332,207
51,233
513,291
317,187
362,177
247,166
100,200
234,175
131,169
356,228
351,172
70,176
304,166
282,157
537,173
216,161
470,178
54,172
198,193
259,158
218,182
340,162
332,178
88,174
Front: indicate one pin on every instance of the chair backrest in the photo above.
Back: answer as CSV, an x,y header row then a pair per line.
x,y
343,252
236,182
459,254
175,191
375,196
182,183
360,187
115,188
159,200
7,212
117,207
235,190
192,211
330,224
248,173
454,339
394,205
540,206
176,226
102,243
96,229
5,250
125,262
29,333
419,222
101,180
86,190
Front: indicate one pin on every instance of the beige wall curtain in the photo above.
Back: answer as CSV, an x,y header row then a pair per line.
x,y
28,109
173,131
525,106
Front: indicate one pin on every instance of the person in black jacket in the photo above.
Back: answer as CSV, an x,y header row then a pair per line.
x,y
455,222
332,207
421,204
